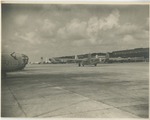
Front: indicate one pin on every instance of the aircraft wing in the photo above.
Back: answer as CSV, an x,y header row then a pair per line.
x,y
76,60
80,60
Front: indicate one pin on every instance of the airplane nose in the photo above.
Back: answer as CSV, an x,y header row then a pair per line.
x,y
25,59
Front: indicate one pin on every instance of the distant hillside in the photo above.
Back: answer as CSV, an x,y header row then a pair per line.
x,y
137,52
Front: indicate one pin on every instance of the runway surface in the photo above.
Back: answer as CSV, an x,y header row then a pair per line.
x,y
68,91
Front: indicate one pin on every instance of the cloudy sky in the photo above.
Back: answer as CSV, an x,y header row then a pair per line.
x,y
51,30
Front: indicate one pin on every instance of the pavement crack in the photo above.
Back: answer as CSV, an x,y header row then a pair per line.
x,y
19,105
61,108
98,101
80,112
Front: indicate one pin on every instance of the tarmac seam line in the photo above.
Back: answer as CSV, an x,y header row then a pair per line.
x,y
99,101
82,112
60,108
19,105
131,112
121,109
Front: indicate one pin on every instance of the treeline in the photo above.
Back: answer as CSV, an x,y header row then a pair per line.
x,y
137,52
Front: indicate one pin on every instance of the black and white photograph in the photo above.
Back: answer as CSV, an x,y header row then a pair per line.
x,y
74,60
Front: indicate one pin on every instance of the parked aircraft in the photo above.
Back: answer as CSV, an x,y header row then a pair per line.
x,y
88,61
13,62
92,61
103,59
56,61
82,62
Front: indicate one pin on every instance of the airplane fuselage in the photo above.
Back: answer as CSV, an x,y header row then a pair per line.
x,y
87,61
13,62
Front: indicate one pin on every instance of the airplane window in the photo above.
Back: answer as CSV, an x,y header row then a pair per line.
x,y
13,55
25,58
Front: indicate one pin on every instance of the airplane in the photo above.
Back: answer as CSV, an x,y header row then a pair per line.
x,y
13,62
84,61
92,61
56,61
104,58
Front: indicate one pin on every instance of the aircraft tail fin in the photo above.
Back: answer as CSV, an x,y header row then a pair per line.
x,y
96,56
76,57
52,60
107,55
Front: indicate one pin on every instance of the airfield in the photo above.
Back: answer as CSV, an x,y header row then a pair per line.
x,y
118,90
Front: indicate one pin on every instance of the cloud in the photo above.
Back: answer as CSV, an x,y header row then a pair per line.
x,y
128,39
127,28
47,25
137,31
93,29
90,29
74,30
79,42
93,40
111,21
46,28
97,26
21,19
61,33
69,27
76,27
142,35
29,37
131,41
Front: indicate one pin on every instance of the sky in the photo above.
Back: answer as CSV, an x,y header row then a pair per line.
x,y
54,30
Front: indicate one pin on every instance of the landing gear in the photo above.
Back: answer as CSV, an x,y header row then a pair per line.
x,y
95,64
79,64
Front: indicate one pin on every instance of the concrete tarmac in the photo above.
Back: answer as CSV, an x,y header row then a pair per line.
x,y
68,91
